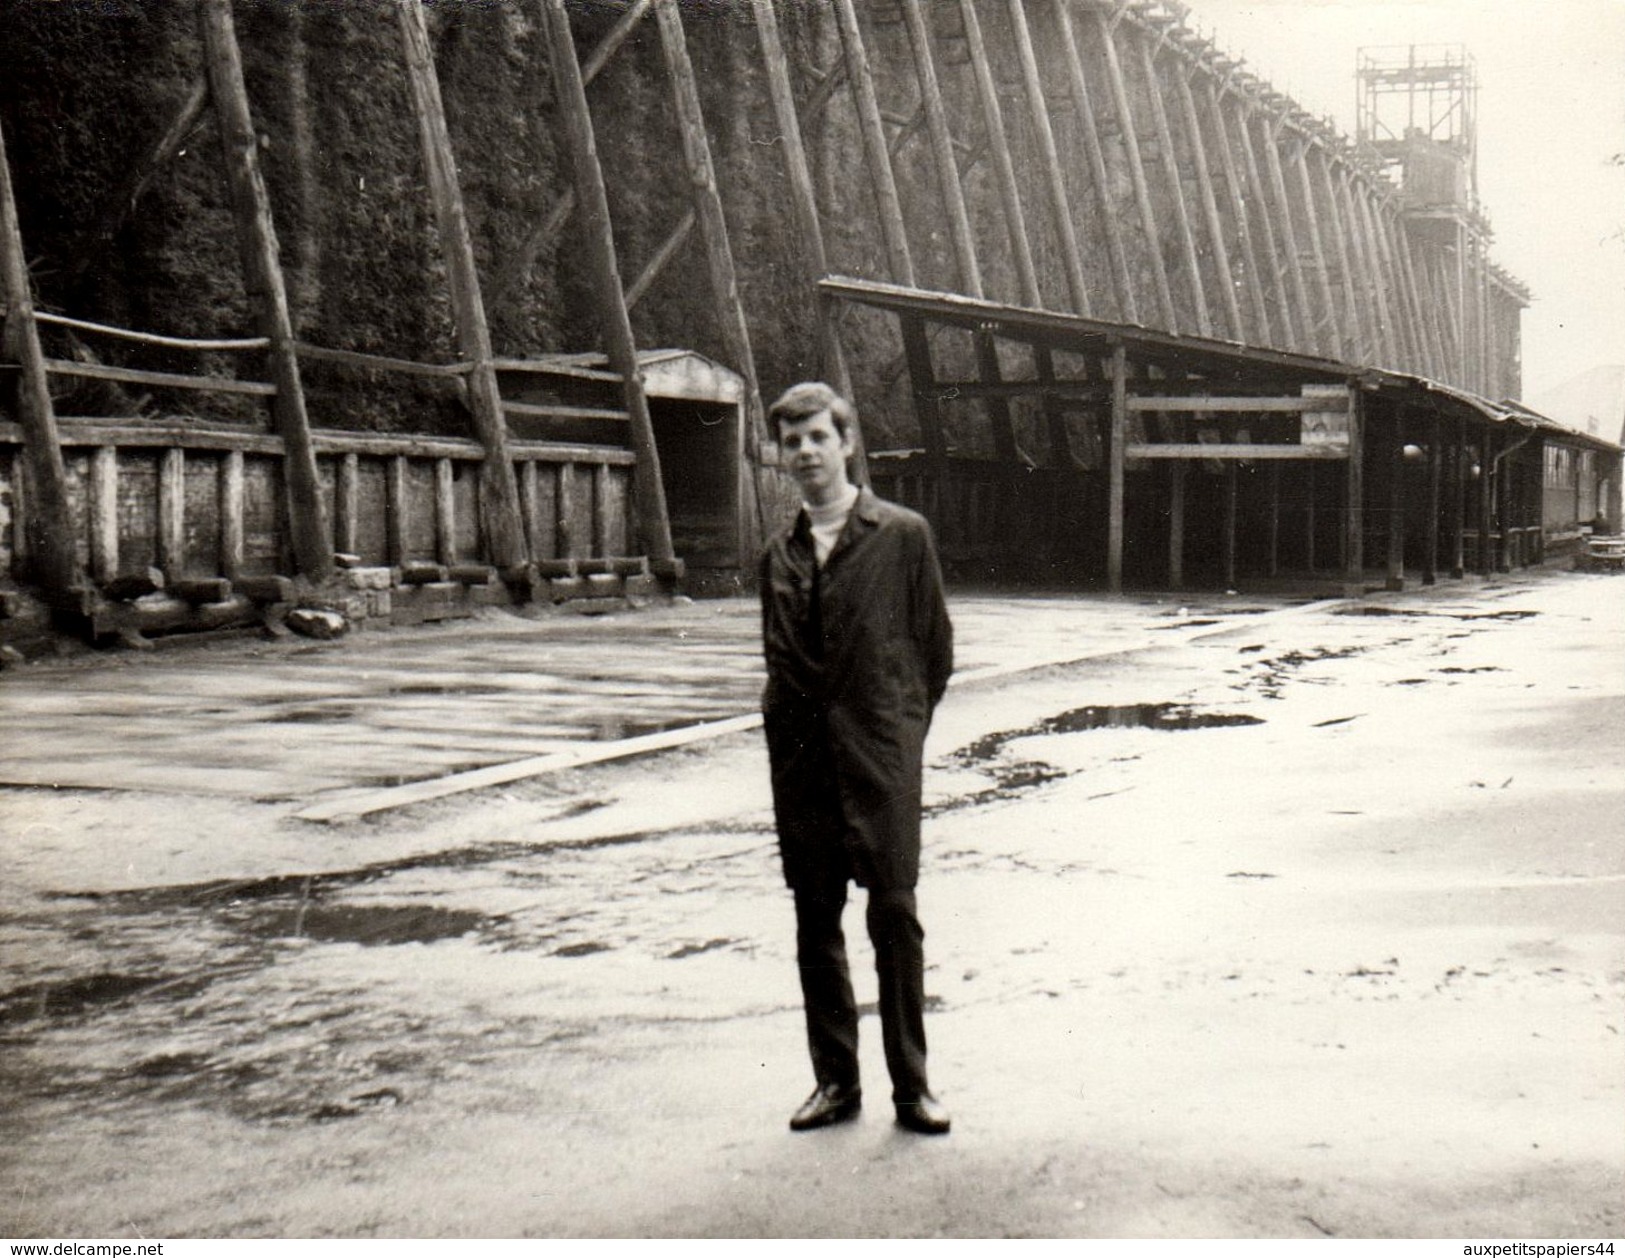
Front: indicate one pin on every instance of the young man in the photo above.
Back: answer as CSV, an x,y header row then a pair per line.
x,y
859,649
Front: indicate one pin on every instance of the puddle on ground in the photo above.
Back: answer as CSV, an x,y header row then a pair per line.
x,y
613,731
695,949
88,992
366,924
1157,716
225,891
313,716
1010,777
1375,609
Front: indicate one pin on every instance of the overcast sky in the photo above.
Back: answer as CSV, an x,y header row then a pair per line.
x,y
1551,111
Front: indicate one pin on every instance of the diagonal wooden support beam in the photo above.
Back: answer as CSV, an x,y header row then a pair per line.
x,y
257,244
661,258
1142,190
1060,201
1271,261
871,128
1095,157
942,149
1176,190
649,491
44,524
1270,128
1210,204
803,200
499,489
713,225
1251,271
998,147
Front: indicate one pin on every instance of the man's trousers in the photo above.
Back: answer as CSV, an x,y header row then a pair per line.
x,y
826,984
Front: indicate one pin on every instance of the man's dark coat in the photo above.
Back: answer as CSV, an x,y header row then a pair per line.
x,y
858,654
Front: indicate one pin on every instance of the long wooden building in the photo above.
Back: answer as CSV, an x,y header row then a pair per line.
x,y
368,306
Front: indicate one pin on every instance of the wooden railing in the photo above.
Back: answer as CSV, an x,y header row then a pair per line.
x,y
200,500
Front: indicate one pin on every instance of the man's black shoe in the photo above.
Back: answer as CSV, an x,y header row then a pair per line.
x,y
925,1114
828,1105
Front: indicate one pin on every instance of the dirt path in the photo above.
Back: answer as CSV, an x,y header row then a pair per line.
x,y
1310,926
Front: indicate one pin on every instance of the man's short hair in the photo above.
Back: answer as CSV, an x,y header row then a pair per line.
x,y
804,400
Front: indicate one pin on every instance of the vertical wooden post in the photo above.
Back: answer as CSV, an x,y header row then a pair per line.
x,y
1094,154
172,513
601,509
104,514
1272,251
1227,536
1251,271
1176,524
1311,523
1459,454
1176,188
1142,191
922,380
565,523
998,147
1271,128
873,132
942,149
1060,202
44,527
346,502
499,491
1275,519
231,514
1430,553
530,496
445,512
310,537
1354,493
803,200
713,227
1119,438
1395,463
399,493
1060,440
1210,205
654,524
1486,503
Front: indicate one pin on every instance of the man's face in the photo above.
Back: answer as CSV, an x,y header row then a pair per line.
x,y
816,454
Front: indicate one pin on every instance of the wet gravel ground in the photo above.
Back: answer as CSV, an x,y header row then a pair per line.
x,y
1309,926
